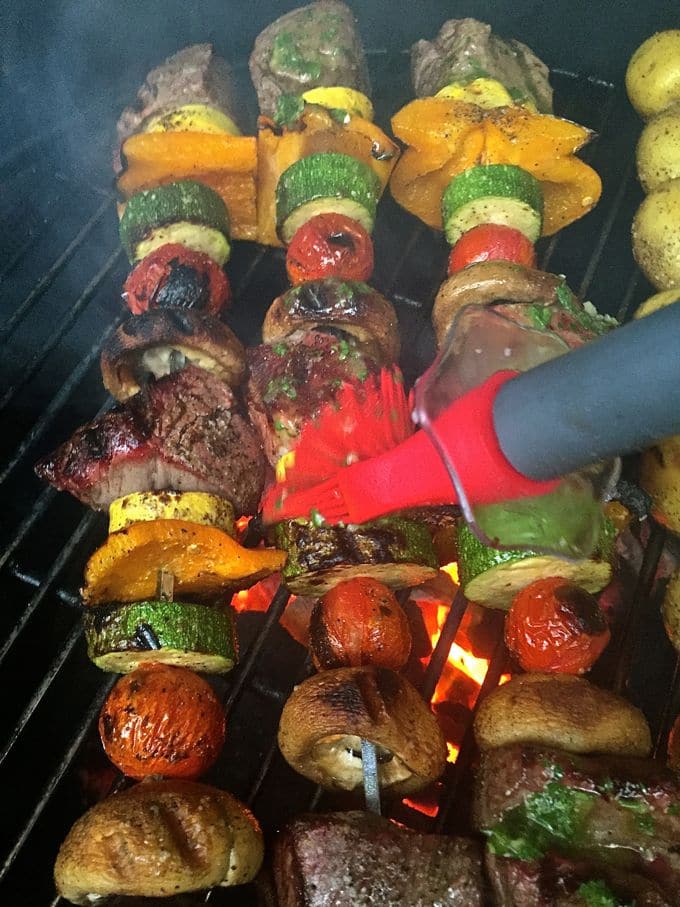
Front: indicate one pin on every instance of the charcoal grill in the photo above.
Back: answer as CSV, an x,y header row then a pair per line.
x,y
60,276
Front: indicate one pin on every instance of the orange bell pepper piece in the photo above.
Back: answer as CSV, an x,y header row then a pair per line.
x,y
446,137
226,163
204,561
316,132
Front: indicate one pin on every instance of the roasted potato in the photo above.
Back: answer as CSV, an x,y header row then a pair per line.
x,y
660,465
653,74
670,609
657,301
656,236
660,478
658,150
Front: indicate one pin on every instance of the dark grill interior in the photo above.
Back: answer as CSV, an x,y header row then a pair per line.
x,y
60,276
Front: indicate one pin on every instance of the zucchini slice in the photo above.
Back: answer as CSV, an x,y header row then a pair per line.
x,y
491,577
493,194
398,552
323,183
186,212
191,636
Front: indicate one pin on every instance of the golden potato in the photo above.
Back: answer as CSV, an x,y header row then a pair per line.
x,y
656,236
658,150
653,74
660,478
656,302
670,609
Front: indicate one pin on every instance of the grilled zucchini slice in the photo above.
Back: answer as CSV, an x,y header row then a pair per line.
x,y
191,636
396,551
492,577
493,194
324,183
184,212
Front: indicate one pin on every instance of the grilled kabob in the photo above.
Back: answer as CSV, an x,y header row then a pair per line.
x,y
318,150
183,126
482,141
572,811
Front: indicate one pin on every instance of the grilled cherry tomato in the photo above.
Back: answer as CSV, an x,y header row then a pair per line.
x,y
359,622
491,242
162,720
174,276
330,245
555,626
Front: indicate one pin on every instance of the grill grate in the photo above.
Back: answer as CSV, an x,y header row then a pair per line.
x,y
60,283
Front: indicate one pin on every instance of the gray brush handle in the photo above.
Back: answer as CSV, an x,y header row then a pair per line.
x,y
614,396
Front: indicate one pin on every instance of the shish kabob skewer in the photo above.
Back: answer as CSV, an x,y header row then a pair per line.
x,y
175,463
321,171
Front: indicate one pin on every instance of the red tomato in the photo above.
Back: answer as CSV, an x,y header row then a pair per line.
x,y
491,242
330,245
162,720
174,276
359,622
554,626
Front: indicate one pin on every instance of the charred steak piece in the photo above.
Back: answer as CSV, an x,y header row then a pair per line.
x,y
292,379
181,434
620,812
561,882
311,46
360,859
466,49
194,75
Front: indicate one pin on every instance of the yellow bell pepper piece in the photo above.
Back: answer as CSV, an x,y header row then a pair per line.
x,y
204,562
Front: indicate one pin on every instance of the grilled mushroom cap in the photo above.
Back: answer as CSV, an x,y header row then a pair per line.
x,y
561,710
325,719
162,341
350,306
156,839
488,282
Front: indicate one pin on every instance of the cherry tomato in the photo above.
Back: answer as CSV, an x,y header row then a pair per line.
x,y
554,626
174,276
162,720
359,622
330,245
491,242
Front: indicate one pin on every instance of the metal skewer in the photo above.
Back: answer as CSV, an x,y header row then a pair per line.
x,y
369,764
165,590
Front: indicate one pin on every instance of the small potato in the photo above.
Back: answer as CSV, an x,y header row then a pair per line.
x,y
670,609
656,236
658,151
660,478
656,302
653,74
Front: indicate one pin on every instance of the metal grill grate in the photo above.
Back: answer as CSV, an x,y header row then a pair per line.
x,y
60,282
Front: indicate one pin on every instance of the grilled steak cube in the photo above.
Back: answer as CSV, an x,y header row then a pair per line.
x,y
291,380
194,75
308,47
620,812
560,882
361,859
182,434
466,49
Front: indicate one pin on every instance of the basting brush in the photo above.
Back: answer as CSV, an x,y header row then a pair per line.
x,y
512,437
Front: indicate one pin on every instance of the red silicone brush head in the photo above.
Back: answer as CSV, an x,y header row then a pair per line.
x,y
366,418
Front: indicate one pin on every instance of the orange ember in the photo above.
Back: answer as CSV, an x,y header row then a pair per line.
x,y
464,672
